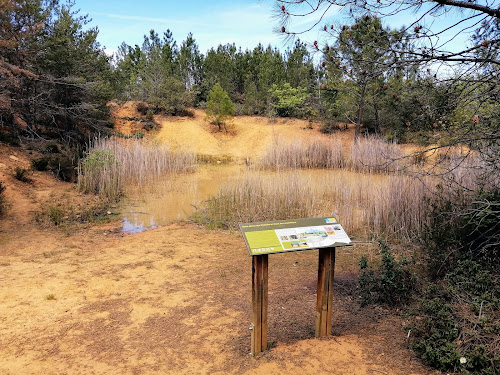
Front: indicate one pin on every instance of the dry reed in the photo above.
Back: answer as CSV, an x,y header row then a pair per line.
x,y
371,154
113,162
374,154
319,153
256,199
366,205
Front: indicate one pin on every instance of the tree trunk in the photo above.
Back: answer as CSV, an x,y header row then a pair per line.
x,y
359,120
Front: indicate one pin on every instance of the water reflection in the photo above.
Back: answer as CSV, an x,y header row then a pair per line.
x,y
175,198
133,223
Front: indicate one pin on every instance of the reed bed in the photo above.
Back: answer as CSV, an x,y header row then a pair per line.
x,y
257,199
374,154
371,154
111,163
319,153
367,205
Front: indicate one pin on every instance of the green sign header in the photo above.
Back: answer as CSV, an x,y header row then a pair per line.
x,y
293,235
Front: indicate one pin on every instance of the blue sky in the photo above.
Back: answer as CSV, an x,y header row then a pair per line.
x,y
212,22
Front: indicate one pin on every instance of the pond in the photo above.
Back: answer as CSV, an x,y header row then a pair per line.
x,y
177,196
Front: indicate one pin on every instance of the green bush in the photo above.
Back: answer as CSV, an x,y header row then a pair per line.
x,y
392,283
138,135
56,214
461,227
458,317
149,126
40,164
289,101
434,331
52,149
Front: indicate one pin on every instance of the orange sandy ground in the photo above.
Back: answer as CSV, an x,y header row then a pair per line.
x,y
174,300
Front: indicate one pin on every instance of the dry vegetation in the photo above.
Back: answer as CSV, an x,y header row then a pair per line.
x,y
113,162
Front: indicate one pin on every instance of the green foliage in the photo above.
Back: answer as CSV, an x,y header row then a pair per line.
x,y
458,318
460,315
392,283
138,135
461,226
52,149
435,331
288,101
56,214
220,108
55,75
40,164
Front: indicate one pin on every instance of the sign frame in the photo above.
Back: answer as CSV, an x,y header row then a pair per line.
x,y
281,236
314,238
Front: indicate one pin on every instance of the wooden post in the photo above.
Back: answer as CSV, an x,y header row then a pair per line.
x,y
259,303
324,301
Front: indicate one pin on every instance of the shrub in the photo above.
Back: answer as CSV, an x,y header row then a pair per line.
x,y
149,114
393,283
52,149
149,126
40,164
56,214
143,108
289,101
461,226
435,331
21,174
138,135
459,315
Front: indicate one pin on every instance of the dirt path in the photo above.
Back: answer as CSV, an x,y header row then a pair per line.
x,y
174,300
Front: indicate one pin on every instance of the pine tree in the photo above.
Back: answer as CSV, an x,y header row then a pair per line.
x,y
220,108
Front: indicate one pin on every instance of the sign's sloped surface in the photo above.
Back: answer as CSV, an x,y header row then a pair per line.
x,y
293,235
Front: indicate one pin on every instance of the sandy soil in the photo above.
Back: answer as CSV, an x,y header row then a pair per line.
x,y
174,300
247,137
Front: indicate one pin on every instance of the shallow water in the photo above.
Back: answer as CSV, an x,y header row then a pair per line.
x,y
177,196
172,199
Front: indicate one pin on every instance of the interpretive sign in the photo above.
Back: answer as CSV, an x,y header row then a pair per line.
x,y
293,235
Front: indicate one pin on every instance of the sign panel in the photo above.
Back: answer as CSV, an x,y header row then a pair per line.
x,y
280,236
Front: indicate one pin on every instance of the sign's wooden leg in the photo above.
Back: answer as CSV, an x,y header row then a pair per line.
x,y
324,301
259,303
